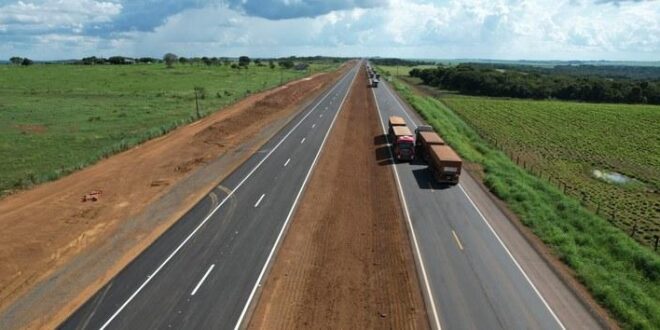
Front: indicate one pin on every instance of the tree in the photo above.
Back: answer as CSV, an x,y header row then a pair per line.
x,y
26,61
183,60
16,60
170,59
271,64
287,64
243,61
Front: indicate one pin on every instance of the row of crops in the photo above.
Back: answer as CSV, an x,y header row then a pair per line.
x,y
567,142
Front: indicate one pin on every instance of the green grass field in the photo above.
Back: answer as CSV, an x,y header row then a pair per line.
x,y
622,275
569,141
55,119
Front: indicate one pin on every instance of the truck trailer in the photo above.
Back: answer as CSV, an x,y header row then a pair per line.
x,y
444,164
425,137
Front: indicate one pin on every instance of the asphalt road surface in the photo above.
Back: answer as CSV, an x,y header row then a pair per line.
x,y
204,272
477,271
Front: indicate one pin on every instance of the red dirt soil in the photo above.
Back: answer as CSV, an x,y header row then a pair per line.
x,y
346,261
45,229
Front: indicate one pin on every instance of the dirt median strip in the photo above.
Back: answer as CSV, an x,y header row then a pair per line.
x,y
346,261
50,238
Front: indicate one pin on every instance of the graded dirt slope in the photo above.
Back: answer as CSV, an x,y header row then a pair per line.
x,y
346,262
50,238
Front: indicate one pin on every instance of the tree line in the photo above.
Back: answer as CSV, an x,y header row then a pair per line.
x,y
171,59
532,83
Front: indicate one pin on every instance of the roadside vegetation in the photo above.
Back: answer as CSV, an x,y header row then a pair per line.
x,y
622,275
58,118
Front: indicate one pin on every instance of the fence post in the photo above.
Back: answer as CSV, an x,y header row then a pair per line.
x,y
634,229
657,238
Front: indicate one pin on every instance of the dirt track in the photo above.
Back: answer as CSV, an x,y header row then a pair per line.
x,y
47,228
346,262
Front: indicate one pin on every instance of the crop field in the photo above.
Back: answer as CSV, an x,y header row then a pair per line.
x,y
574,145
621,274
57,118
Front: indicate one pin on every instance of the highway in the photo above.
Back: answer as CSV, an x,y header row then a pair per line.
x,y
477,271
205,271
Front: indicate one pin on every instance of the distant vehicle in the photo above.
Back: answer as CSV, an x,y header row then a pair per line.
x,y
444,164
374,83
403,142
425,137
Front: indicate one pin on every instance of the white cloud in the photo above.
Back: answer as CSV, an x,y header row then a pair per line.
x,y
56,14
508,29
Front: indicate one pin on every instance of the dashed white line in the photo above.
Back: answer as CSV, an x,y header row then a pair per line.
x,y
313,125
202,280
151,276
288,218
302,141
458,241
512,258
321,116
259,201
287,162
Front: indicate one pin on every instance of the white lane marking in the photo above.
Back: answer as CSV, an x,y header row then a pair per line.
x,y
321,116
259,201
302,141
512,258
201,224
313,125
494,233
287,162
202,280
458,241
288,218
431,301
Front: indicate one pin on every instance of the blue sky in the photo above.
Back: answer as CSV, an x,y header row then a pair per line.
x,y
499,29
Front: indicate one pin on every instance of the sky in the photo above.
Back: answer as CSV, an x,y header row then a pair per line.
x,y
495,29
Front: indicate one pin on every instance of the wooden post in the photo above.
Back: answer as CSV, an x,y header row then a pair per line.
x,y
196,104
634,229
657,238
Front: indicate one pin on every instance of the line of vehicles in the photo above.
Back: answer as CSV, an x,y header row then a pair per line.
x,y
374,77
425,144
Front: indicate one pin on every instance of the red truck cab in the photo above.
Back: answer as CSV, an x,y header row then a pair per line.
x,y
404,148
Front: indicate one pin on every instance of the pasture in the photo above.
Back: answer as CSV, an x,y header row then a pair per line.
x,y
57,118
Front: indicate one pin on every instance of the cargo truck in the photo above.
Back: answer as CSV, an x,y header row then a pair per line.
x,y
403,142
374,83
444,164
425,137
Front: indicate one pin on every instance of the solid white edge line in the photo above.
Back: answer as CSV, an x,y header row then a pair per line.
x,y
201,224
417,253
259,201
287,162
199,284
496,236
512,258
293,207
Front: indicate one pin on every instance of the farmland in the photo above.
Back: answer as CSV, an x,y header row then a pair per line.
x,y
570,142
55,119
621,274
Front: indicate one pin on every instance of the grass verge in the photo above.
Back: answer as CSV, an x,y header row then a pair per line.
x,y
623,276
